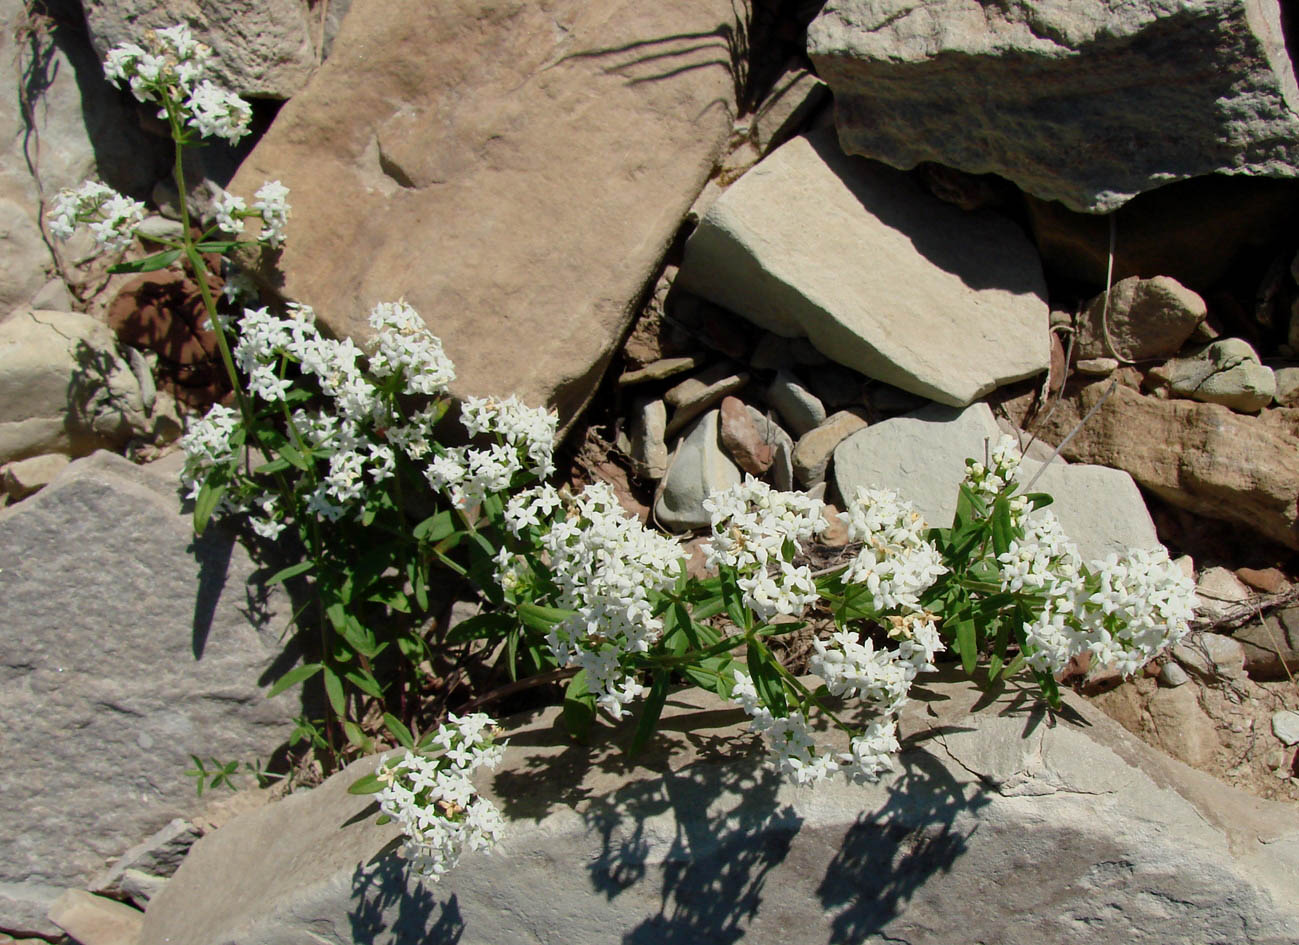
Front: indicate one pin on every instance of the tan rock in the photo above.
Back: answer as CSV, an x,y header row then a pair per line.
x,y
813,450
514,172
660,369
1267,580
741,438
1146,318
1181,726
26,476
96,920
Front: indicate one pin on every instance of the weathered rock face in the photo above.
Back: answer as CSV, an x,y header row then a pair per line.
x,y
1145,318
880,276
1087,102
1098,835
63,386
1227,372
1201,457
260,49
125,645
699,468
516,172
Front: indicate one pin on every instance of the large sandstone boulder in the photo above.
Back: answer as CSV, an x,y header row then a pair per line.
x,y
879,275
261,48
1088,102
515,171
125,645
1007,825
1198,456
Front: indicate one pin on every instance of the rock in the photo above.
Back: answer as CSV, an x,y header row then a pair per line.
x,y
1226,372
1219,592
1101,509
773,434
694,395
95,920
891,281
835,534
24,909
1017,79
981,802
159,229
699,468
814,448
1201,457
1271,648
801,410
63,386
267,49
1211,656
739,435
1172,675
24,260
1183,728
1147,318
719,330
648,437
470,136
27,476
836,387
140,887
1267,580
53,295
774,353
1193,231
1097,367
658,370
1285,726
1287,386
159,857
889,400
787,109
118,666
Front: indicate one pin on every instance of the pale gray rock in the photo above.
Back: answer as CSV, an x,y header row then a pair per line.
x,y
63,386
1287,386
1211,656
814,448
1146,318
24,260
53,295
1285,726
1193,88
159,228
1218,592
96,920
1100,509
126,644
264,49
23,477
1000,825
1226,372
890,281
1097,367
1172,675
699,468
801,410
158,856
24,909
649,437
139,887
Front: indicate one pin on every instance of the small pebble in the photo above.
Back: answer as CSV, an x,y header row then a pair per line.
x,y
1285,726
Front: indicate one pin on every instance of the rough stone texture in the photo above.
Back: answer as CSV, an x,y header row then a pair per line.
x,y
125,645
1097,367
95,920
773,434
1211,656
1201,457
794,98
1226,372
1101,509
1185,731
516,171
658,370
649,437
699,468
1147,318
1271,650
889,280
260,48
814,448
1087,102
1218,592
1004,826
158,856
1267,580
1287,385
801,410
1285,726
694,395
739,434
21,478
63,386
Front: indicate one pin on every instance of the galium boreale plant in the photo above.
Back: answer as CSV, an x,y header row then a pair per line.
x,y
336,450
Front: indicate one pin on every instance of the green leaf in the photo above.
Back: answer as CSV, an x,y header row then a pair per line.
x,y
209,496
365,681
1003,532
435,527
539,618
293,570
709,608
965,644
479,627
1040,500
274,466
734,600
356,737
766,679
653,708
579,707
1015,665
994,667
398,730
366,784
149,263
294,456
686,623
334,690
293,677
217,246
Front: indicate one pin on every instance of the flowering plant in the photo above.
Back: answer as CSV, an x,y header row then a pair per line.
x,y
336,452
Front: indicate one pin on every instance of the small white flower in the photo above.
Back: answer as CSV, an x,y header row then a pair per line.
x,y
215,112
271,201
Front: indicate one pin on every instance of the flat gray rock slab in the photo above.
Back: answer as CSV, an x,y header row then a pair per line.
x,y
125,646
922,457
1088,102
879,275
1006,826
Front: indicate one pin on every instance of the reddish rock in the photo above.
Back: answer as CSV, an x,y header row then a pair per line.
x,y
1267,580
740,438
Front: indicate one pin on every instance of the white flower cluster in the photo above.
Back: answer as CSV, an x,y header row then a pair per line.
x,y
171,67
525,439
113,219
270,203
795,753
1121,610
758,531
896,564
434,801
404,345
988,481
207,445
605,565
